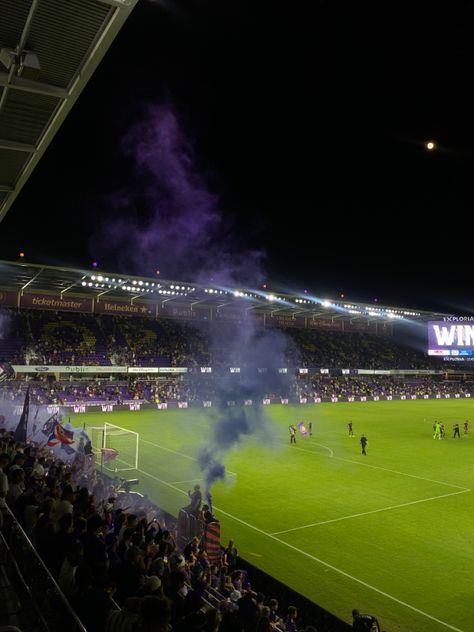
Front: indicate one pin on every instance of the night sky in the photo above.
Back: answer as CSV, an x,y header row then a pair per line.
x,y
305,125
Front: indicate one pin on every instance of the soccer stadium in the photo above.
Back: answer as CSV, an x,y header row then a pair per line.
x,y
177,401
178,456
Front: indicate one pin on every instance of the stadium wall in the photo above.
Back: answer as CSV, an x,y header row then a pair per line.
x,y
112,307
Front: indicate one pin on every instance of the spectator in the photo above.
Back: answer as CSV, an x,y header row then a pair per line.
x,y
364,622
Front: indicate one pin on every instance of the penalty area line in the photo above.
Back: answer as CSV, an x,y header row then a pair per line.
x,y
341,572
186,456
421,478
316,559
367,513
189,480
384,469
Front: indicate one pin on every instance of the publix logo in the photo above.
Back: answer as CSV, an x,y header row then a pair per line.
x,y
41,368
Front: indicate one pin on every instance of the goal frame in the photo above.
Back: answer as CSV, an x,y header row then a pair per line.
x,y
118,464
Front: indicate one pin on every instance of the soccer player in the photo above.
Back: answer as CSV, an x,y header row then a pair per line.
x,y
292,430
363,443
456,431
349,427
310,428
437,430
442,431
466,425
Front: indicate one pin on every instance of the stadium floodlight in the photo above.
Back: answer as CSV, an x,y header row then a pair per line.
x,y
326,303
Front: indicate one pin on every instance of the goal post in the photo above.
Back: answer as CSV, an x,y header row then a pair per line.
x,y
115,448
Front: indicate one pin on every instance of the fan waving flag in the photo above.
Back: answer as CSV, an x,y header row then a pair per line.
x,y
21,429
302,429
49,425
59,434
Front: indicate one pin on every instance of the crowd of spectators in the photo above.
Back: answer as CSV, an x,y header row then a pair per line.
x,y
380,386
115,557
53,338
199,389
355,350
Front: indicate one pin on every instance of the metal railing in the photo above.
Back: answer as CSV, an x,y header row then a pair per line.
x,y
43,605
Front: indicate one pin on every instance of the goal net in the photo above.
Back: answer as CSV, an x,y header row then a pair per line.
x,y
115,448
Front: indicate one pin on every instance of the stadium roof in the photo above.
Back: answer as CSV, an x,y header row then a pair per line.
x,y
48,52
29,277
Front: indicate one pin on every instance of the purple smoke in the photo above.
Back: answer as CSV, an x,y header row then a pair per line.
x,y
252,348
211,466
167,218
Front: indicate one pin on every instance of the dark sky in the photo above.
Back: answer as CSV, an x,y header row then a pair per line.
x,y
308,121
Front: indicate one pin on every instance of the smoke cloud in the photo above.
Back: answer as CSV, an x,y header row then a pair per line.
x,y
166,218
259,353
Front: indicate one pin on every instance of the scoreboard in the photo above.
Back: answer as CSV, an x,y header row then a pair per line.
x,y
451,338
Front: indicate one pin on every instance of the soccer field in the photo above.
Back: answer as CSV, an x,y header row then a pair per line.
x,y
389,533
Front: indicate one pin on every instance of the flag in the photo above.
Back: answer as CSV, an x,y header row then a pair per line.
x,y
49,424
35,418
108,454
302,429
59,434
20,432
67,449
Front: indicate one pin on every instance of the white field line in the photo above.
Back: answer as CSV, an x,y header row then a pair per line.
x,y
367,513
189,480
341,572
160,480
316,559
385,469
320,445
162,447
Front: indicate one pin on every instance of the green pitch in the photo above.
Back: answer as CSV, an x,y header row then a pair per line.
x,y
389,533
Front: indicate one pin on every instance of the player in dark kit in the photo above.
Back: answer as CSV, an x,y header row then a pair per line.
x,y
456,431
310,428
349,427
292,430
466,426
363,443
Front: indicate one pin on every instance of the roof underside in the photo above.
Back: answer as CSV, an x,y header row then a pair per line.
x,y
25,277
50,48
